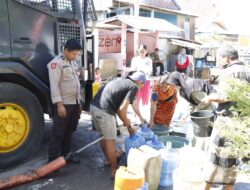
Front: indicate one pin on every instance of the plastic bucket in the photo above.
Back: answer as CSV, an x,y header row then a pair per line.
x,y
197,96
203,121
177,142
160,130
186,179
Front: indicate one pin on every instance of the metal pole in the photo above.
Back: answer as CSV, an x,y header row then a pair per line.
x,y
82,31
88,145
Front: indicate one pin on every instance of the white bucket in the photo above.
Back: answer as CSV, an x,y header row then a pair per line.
x,y
187,180
189,175
192,157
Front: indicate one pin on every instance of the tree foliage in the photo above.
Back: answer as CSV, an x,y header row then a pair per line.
x,y
236,130
239,92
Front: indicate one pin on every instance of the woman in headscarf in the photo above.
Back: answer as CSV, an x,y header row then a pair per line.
x,y
163,102
182,61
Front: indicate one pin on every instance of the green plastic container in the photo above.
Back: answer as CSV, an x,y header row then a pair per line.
x,y
177,142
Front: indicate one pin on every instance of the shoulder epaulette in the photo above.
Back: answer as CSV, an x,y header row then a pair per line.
x,y
62,57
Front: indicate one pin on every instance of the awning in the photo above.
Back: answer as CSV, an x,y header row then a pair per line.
x,y
184,43
106,26
144,23
214,27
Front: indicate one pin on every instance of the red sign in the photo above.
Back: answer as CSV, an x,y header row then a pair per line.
x,y
109,43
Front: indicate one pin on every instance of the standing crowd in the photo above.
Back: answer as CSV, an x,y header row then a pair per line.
x,y
114,98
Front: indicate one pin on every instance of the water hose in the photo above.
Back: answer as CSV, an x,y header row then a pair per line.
x,y
42,171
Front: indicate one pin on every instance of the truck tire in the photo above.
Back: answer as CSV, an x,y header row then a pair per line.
x,y
21,124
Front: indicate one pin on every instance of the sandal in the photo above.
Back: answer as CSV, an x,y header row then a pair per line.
x,y
118,159
106,163
112,177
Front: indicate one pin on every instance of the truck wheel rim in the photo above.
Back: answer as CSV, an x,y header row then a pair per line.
x,y
14,127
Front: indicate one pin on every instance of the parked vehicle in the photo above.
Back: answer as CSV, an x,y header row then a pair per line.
x,y
32,32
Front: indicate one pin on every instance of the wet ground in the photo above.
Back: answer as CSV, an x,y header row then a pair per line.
x,y
90,174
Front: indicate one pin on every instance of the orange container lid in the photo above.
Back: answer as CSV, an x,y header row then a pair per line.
x,y
126,180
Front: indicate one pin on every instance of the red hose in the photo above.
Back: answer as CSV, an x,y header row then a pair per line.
x,y
34,174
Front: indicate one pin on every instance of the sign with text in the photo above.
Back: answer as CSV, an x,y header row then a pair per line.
x,y
109,42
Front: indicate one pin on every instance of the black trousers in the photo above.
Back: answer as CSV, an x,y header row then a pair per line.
x,y
155,65
61,132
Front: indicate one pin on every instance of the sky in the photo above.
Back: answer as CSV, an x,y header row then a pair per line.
x,y
235,14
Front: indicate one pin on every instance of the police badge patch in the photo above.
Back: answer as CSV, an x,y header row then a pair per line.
x,y
53,65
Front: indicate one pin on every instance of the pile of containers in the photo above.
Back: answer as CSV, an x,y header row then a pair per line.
x,y
169,163
189,174
123,135
155,143
149,160
156,156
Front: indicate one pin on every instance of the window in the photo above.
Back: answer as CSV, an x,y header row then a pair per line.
x,y
187,19
144,13
119,11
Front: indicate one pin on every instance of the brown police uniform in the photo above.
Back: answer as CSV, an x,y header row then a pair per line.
x,y
65,88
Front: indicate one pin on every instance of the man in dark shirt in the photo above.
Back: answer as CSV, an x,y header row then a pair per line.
x,y
114,98
157,62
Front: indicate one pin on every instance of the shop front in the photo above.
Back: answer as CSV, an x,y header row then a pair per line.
x,y
118,46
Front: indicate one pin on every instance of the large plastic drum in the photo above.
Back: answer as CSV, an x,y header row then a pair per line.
x,y
203,122
177,142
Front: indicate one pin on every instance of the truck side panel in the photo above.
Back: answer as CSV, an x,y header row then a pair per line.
x,y
33,37
5,50
30,29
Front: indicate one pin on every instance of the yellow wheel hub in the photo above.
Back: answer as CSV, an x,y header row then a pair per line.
x,y
14,127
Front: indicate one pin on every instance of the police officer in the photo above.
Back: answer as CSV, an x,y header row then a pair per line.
x,y
65,95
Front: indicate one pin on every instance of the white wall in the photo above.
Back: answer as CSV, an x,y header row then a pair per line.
x,y
164,49
103,4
